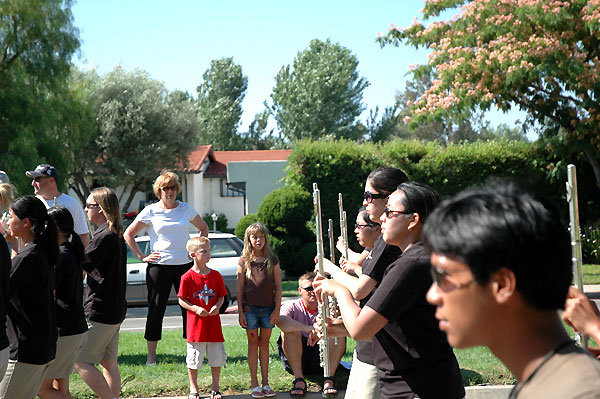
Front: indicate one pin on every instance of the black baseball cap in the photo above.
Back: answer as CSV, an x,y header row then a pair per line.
x,y
42,170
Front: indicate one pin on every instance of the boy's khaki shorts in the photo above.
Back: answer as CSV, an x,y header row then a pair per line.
x,y
215,353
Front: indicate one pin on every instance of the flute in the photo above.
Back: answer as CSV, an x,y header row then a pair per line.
x,y
334,307
323,306
343,226
577,256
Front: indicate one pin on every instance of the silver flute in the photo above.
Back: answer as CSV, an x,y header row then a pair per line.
x,y
333,301
343,226
576,251
324,305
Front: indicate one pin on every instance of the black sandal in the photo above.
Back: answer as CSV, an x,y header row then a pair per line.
x,y
327,392
215,395
297,388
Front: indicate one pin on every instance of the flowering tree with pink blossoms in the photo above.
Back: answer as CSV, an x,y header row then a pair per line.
x,y
542,56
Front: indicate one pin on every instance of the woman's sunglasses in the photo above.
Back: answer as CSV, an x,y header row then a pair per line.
x,y
369,196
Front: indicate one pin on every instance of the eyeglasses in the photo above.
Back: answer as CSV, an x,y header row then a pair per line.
x,y
389,212
442,280
39,178
308,289
364,226
369,196
169,188
90,206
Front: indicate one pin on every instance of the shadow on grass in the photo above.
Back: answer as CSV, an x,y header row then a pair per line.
x,y
140,360
471,377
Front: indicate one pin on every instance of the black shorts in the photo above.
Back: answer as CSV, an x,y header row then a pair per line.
x,y
310,358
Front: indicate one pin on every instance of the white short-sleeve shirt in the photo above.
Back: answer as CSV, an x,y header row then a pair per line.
x,y
169,231
74,206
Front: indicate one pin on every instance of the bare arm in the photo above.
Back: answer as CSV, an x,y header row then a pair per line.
x,y
287,324
359,287
277,279
85,239
362,324
582,314
201,225
129,235
241,280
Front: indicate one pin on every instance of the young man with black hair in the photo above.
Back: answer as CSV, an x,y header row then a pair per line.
x,y
501,262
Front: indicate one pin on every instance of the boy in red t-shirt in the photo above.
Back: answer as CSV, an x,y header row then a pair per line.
x,y
201,292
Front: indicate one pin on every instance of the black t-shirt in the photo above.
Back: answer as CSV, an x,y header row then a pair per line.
x,y
411,344
107,277
70,317
381,256
4,276
31,312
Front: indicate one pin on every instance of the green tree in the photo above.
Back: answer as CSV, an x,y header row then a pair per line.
x,y
220,98
539,55
319,94
140,129
37,41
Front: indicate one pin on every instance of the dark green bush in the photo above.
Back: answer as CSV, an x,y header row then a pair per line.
x,y
285,212
590,244
243,224
221,222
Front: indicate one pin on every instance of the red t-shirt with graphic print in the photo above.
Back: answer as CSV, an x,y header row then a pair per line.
x,y
203,290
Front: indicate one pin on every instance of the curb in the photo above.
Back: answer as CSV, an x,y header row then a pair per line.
x,y
474,392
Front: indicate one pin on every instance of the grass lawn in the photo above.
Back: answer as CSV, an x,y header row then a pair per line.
x,y
591,274
289,288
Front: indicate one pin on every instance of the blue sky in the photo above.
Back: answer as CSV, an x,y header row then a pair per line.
x,y
174,41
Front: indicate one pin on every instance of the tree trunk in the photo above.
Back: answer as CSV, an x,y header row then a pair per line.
x,y
80,187
591,155
134,189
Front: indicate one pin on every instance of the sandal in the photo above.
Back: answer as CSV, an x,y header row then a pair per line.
x,y
257,392
193,395
329,391
215,395
297,388
268,391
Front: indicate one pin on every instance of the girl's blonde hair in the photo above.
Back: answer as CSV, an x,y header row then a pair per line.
x,y
109,205
7,193
166,178
247,251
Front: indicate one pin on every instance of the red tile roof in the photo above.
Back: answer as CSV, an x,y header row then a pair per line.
x,y
220,159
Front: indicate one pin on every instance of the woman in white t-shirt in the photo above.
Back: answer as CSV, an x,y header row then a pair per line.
x,y
167,222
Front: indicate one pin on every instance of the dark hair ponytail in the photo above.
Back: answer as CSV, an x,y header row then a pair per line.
x,y
44,229
386,180
64,222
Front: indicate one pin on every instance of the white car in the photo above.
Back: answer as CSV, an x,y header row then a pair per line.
x,y
225,251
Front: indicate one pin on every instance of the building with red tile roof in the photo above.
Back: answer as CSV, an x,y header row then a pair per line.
x,y
231,182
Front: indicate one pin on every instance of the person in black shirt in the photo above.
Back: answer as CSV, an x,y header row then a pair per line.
x,y
31,314
411,353
105,304
72,326
4,276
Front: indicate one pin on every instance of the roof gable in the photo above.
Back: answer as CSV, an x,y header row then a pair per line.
x,y
220,159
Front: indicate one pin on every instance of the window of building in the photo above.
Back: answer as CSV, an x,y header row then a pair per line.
x,y
229,191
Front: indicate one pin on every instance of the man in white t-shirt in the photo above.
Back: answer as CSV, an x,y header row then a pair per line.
x,y
45,181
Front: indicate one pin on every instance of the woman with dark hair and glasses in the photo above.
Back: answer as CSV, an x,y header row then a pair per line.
x,y
412,355
31,313
366,232
168,224
70,317
363,382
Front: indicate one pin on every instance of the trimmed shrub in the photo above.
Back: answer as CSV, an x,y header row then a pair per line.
x,y
243,224
221,222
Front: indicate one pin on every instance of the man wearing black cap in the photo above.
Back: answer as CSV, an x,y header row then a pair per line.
x,y
45,181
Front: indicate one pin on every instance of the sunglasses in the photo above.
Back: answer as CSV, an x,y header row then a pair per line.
x,y
369,196
308,289
388,212
39,178
90,206
364,226
442,280
169,188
